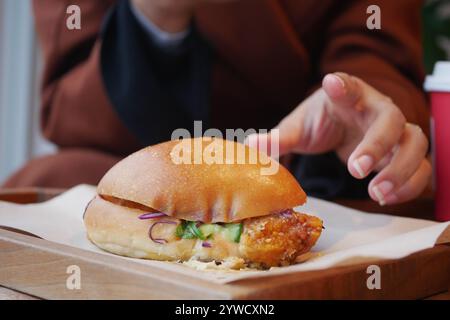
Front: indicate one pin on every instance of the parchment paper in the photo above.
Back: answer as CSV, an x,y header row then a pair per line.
x,y
350,236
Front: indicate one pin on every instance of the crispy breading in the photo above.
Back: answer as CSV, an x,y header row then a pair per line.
x,y
278,239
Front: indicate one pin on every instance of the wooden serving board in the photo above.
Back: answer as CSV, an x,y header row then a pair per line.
x,y
39,268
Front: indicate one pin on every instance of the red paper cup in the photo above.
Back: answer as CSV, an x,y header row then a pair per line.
x,y
438,85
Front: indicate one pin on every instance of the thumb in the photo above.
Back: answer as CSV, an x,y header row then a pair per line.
x,y
342,89
268,143
282,139
309,128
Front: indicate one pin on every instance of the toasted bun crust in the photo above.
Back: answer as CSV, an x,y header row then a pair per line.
x,y
197,191
265,241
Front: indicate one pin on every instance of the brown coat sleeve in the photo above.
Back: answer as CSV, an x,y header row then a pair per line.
x,y
75,108
389,59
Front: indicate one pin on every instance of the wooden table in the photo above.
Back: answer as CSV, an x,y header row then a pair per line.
x,y
24,196
421,208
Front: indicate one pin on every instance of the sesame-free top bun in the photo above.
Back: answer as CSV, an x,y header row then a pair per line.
x,y
199,189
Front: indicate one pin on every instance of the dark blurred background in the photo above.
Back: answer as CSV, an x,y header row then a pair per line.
x,y
436,35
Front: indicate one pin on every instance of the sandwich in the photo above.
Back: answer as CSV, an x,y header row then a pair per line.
x,y
152,206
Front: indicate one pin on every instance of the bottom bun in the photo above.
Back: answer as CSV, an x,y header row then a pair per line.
x,y
271,240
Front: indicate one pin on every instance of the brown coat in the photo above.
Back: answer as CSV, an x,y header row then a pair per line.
x,y
269,55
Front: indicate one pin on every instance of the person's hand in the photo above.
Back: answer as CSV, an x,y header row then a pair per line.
x,y
169,15
366,130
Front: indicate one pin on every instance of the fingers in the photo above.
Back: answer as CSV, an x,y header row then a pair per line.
x,y
377,120
407,160
308,129
381,137
342,89
312,127
389,144
413,187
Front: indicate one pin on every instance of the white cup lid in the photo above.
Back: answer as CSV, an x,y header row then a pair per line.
x,y
440,79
